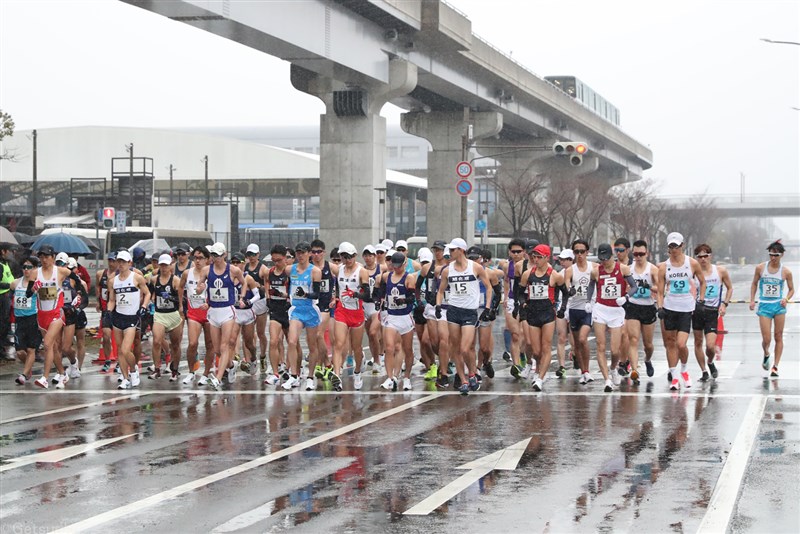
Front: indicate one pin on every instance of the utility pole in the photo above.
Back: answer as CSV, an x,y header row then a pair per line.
x,y
464,148
171,168
130,182
205,162
35,186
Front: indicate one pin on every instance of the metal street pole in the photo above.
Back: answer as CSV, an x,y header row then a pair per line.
x,y
464,145
130,183
171,168
205,161
35,187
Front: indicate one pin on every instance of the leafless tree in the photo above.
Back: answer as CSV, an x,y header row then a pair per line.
x,y
697,218
518,196
582,204
636,212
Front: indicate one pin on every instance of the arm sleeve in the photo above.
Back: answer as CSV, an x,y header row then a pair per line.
x,y
316,287
365,294
497,296
590,289
564,295
519,290
631,284
378,292
29,291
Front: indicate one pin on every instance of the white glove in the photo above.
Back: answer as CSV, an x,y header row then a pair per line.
x,y
621,301
588,307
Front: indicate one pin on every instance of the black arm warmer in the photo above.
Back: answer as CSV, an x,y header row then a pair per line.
x,y
564,295
497,296
590,289
378,292
519,290
29,291
315,290
365,294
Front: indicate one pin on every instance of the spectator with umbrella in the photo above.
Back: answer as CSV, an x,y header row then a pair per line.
x,y
6,277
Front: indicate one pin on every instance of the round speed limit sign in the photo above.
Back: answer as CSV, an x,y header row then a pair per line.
x,y
463,169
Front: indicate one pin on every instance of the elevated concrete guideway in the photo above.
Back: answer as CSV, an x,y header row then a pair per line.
x,y
751,206
421,55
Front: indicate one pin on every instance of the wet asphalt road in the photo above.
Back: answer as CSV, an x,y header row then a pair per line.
x,y
252,459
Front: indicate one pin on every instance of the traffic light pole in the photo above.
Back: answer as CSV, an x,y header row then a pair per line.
x,y
466,234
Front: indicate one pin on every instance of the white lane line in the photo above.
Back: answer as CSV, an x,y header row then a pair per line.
x,y
159,498
59,455
723,500
75,407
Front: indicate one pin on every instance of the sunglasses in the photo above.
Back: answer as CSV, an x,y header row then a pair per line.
x,y
774,253
516,251
251,254
315,251
199,257
536,257
234,262
639,254
702,256
60,263
347,256
579,251
401,249
618,250
380,252
672,245
336,260
27,267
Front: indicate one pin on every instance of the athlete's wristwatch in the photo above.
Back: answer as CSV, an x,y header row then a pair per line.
x,y
726,304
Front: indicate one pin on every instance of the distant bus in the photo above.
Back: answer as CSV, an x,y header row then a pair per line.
x,y
498,246
585,94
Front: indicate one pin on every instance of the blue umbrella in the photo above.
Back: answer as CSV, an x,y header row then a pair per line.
x,y
72,245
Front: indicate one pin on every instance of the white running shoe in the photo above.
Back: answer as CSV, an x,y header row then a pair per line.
x,y
310,385
388,384
41,382
304,373
56,378
293,382
202,381
609,386
73,371
272,380
213,381
582,379
615,378
537,384
61,383
588,376
526,372
135,379
406,384
125,384
358,382
232,373
188,379
21,379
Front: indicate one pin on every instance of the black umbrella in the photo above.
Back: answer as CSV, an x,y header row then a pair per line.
x,y
24,239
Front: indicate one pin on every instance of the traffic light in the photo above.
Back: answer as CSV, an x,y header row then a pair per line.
x,y
573,150
109,217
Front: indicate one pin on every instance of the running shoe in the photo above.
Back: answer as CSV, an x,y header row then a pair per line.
x,y
765,362
650,369
336,382
202,381
231,372
713,368
125,384
478,376
705,377
41,382
561,372
245,366
456,381
106,367
507,356
582,380
675,385
310,385
293,382
174,374
774,372
56,378
635,377
263,364
575,363
319,372
272,380
687,381
622,368
442,382
588,376
135,380
214,382
21,379
188,379
537,384
474,385
609,386
615,377
488,368
63,382
526,371
388,384
432,372
358,382
155,375
516,372
406,384
73,371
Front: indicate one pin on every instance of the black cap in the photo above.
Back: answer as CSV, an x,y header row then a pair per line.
x,y
237,256
530,244
398,258
604,252
46,250
474,252
183,247
438,244
302,245
155,256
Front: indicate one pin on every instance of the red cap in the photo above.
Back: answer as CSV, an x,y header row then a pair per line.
x,y
542,250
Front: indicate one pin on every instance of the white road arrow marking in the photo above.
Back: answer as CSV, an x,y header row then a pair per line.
x,y
58,455
505,459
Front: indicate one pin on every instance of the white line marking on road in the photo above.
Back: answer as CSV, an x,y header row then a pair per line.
x,y
70,408
58,455
723,500
158,498
506,459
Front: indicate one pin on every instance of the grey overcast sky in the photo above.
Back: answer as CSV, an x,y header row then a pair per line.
x,y
692,79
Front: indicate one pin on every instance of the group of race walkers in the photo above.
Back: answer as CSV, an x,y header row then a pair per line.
x,y
448,297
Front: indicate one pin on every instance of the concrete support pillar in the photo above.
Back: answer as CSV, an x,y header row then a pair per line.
x,y
444,130
352,151
411,228
391,198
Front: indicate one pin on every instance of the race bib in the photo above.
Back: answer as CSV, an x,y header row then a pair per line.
x,y
48,293
123,300
324,286
679,287
23,303
104,293
458,288
712,292
611,290
771,290
197,299
581,291
163,303
537,292
642,293
219,294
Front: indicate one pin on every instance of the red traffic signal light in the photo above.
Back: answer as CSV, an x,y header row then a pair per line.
x,y
108,213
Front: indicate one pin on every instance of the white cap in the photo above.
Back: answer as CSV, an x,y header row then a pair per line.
x,y
401,243
446,251
252,247
123,255
62,256
369,249
675,238
567,254
380,247
457,243
387,243
217,248
347,247
425,254
390,252
165,259
72,263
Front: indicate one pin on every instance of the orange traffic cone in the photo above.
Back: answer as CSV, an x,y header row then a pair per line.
x,y
720,337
